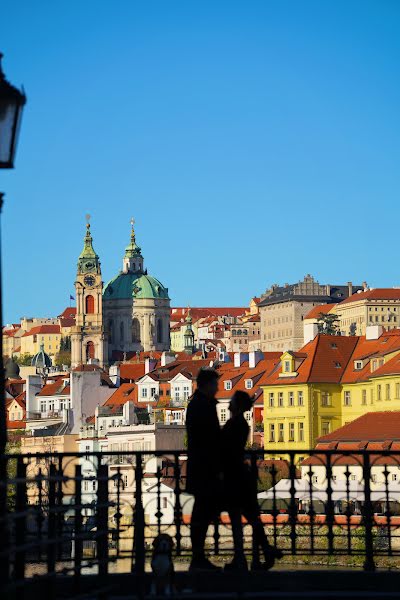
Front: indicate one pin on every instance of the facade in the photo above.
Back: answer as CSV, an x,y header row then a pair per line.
x,y
379,306
282,310
130,315
48,336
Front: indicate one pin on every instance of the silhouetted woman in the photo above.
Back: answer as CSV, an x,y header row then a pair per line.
x,y
240,485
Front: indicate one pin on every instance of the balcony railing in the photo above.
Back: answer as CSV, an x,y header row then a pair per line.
x,y
64,520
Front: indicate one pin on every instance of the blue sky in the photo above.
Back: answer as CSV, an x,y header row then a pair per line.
x,y
253,142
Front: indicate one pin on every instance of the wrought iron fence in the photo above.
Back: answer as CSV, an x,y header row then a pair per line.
x,y
98,513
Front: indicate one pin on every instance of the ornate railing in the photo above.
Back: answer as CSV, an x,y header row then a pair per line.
x,y
98,513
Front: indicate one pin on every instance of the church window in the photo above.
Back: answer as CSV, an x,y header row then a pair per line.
x,y
121,331
159,331
89,350
110,330
89,303
135,331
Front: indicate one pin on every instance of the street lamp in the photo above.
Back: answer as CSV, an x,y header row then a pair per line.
x,y
11,106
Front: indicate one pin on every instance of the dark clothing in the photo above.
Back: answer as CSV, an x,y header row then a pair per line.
x,y
238,479
203,467
204,445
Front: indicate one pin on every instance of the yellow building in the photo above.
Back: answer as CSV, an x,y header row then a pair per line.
x,y
330,382
47,335
302,396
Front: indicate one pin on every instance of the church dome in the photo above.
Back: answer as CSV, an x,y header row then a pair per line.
x,y
134,285
41,359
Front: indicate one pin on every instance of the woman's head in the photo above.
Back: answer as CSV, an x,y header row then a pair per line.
x,y
240,403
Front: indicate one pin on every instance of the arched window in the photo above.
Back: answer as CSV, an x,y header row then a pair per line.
x,y
89,303
135,331
159,331
89,350
121,331
110,330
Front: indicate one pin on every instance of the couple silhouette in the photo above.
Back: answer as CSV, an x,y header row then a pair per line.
x,y
218,476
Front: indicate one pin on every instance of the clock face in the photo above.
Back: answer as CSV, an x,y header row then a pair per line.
x,y
89,280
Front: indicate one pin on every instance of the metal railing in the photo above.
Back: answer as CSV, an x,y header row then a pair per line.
x,y
98,513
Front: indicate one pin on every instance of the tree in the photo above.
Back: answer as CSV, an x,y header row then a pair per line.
x,y
63,357
328,324
353,329
25,360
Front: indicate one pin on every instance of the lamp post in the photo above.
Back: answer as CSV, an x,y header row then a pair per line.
x,y
11,105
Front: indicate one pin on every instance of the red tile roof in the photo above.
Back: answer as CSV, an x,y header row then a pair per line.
x,y
131,371
56,387
45,329
315,312
387,343
373,427
68,313
375,294
326,359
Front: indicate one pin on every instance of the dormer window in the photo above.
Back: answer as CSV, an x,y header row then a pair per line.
x,y
358,364
287,367
338,365
248,384
228,385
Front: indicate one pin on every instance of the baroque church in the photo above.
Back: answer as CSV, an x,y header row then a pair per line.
x,y
130,314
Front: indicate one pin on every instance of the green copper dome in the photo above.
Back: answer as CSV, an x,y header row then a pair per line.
x,y
136,285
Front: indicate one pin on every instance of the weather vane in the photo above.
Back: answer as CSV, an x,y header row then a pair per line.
x,y
87,217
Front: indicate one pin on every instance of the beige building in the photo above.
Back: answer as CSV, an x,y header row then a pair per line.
x,y
48,336
282,310
380,306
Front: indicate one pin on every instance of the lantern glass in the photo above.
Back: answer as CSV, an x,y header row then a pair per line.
x,y
9,123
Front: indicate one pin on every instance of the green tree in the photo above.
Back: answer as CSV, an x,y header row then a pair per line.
x,y
328,324
63,357
25,360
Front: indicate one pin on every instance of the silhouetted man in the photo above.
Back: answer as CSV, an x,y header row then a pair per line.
x,y
203,467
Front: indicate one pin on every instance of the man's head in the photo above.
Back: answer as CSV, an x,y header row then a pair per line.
x,y
207,381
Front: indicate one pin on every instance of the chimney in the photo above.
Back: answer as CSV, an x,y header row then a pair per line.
x,y
350,287
254,358
149,364
167,358
239,358
310,332
373,332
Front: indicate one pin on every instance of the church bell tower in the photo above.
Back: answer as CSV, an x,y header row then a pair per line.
x,y
88,339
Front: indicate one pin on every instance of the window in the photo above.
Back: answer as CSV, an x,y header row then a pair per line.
x,y
249,384
315,479
291,399
397,390
186,392
280,399
160,337
94,486
144,392
89,305
228,385
358,364
337,365
164,502
272,432
347,398
326,399
135,331
372,396
43,405
223,415
373,478
153,391
291,432
271,399
326,427
379,392
281,432
394,477
121,331
287,366
352,477
125,480
85,485
364,397
387,391
300,399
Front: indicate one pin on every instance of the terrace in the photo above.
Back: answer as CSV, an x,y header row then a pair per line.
x,y
78,535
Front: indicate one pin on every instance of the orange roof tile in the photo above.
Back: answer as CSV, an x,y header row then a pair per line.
x,y
45,329
375,294
315,312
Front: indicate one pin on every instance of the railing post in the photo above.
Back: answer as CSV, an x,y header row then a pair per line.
x,y
78,542
292,505
102,520
51,531
139,550
330,517
177,508
20,525
369,564
253,482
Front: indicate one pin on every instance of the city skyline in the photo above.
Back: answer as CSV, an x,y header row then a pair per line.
x,y
251,147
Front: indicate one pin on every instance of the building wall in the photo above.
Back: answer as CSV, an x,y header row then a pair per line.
x,y
282,325
368,312
31,344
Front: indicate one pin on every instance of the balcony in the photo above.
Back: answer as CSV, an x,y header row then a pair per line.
x,y
65,542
